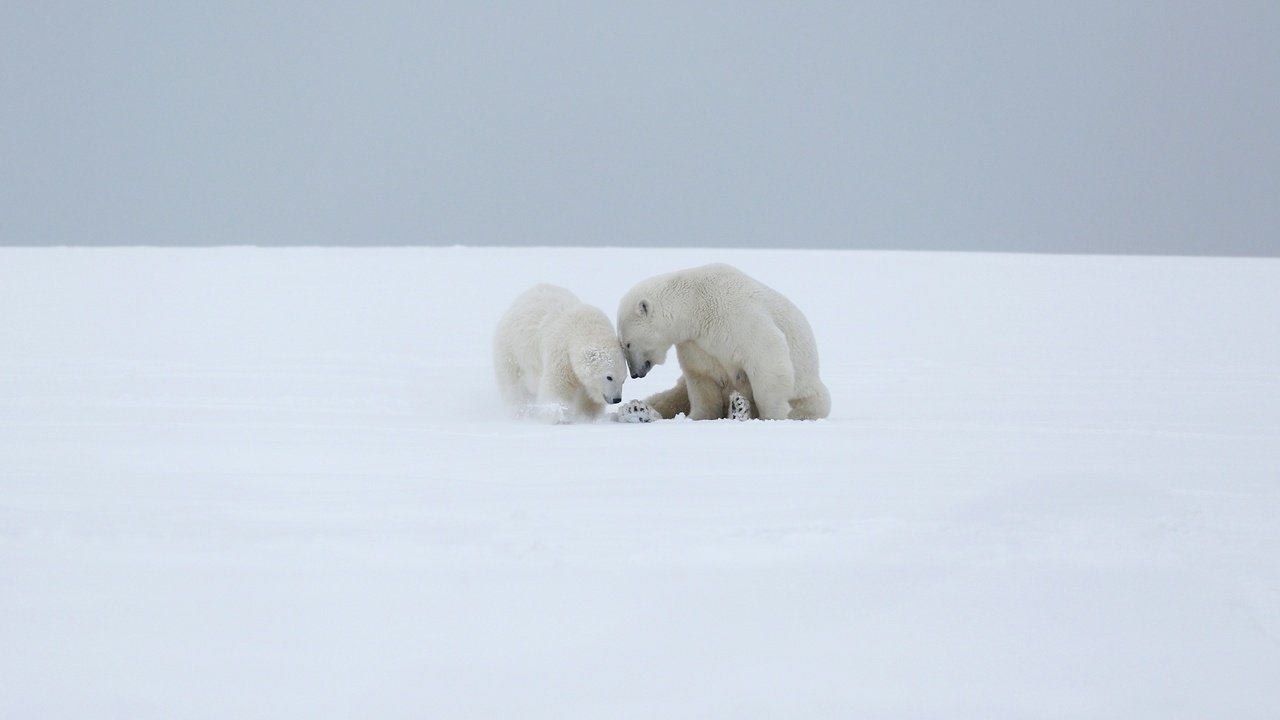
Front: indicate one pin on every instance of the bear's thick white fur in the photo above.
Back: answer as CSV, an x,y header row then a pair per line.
x,y
556,357
731,334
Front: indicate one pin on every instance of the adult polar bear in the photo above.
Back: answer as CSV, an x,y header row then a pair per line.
x,y
733,336
557,357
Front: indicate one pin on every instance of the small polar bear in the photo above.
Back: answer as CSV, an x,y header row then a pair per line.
x,y
744,349
557,358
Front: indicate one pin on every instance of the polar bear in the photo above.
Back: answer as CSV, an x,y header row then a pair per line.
x,y
556,357
744,349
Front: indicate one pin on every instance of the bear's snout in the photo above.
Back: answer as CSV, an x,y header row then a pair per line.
x,y
639,372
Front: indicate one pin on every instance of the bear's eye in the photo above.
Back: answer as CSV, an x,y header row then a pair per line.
x,y
608,378
628,346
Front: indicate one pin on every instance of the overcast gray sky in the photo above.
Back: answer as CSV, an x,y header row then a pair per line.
x,y
1137,127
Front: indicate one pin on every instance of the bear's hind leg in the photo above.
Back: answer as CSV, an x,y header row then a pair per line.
x,y
511,382
670,403
706,398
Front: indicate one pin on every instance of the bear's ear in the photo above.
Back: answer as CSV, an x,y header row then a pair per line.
x,y
644,307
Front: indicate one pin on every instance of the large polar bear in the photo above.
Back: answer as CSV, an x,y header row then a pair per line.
x,y
736,340
556,357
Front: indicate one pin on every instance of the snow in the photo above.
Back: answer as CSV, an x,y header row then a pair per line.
x,y
248,482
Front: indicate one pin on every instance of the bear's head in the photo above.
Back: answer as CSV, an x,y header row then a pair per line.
x,y
642,341
603,368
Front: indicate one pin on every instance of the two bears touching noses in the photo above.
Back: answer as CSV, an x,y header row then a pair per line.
x,y
745,351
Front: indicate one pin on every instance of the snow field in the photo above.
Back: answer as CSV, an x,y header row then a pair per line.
x,y
266,483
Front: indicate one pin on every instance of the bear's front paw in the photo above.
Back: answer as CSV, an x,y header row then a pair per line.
x,y
739,408
637,411
551,413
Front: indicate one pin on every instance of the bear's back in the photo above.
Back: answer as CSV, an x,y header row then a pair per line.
x,y
530,318
541,304
585,325
732,286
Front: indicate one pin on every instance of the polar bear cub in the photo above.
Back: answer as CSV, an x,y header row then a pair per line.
x,y
557,358
744,349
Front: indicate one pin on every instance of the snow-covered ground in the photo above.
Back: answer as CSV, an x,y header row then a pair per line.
x,y
278,483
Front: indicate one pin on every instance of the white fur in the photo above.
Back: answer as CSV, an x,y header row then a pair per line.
x,y
557,358
731,333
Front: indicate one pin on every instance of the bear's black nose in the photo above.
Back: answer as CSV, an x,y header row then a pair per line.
x,y
634,376
616,400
